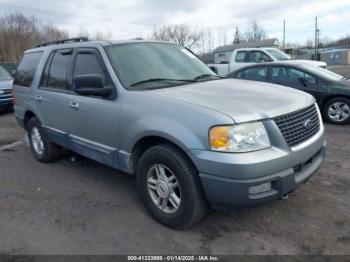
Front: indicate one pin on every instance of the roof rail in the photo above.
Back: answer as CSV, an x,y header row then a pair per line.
x,y
64,41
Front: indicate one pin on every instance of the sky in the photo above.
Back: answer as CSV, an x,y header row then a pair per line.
x,y
125,19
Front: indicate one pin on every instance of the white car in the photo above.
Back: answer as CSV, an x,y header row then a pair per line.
x,y
247,56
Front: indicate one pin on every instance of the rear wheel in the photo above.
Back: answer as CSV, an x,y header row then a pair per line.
x,y
169,186
43,150
337,111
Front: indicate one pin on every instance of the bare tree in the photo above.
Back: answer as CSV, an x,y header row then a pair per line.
x,y
238,37
182,34
255,32
19,32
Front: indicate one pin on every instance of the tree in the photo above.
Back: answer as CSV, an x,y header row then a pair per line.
x,y
19,32
255,32
182,34
238,37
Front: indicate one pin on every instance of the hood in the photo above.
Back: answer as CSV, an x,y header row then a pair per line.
x,y
242,100
6,84
307,62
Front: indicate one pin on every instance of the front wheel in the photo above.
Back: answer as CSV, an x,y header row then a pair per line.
x,y
337,111
169,186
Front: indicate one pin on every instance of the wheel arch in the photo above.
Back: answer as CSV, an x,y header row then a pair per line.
x,y
146,142
27,116
328,98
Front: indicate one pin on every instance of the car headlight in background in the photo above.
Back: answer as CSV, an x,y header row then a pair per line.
x,y
239,138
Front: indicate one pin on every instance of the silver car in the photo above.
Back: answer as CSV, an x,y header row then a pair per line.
x,y
152,109
5,89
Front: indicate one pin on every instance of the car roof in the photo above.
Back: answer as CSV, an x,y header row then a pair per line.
x,y
255,48
92,44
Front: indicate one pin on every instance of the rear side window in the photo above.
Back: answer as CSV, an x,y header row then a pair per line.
x,y
256,73
56,70
26,69
240,56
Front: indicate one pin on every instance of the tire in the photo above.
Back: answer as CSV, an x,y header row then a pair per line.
x,y
192,206
49,152
337,111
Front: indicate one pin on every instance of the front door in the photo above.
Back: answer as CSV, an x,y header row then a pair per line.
x,y
93,120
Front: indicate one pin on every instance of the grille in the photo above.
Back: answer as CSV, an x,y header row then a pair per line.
x,y
5,92
294,127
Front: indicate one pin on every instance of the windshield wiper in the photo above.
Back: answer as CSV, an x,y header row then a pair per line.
x,y
206,76
167,80
345,78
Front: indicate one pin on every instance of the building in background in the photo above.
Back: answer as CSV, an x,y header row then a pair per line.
x,y
222,54
336,56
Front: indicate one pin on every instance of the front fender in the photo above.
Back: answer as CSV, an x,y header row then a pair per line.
x,y
174,131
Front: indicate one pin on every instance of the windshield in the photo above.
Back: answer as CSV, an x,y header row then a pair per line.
x,y
4,75
280,56
323,72
158,64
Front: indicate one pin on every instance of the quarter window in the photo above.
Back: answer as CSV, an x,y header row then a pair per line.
x,y
26,69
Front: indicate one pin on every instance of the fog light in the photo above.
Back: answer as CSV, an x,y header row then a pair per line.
x,y
259,188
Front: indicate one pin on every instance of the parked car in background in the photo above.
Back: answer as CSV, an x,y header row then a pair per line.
x,y
332,91
153,109
5,89
247,56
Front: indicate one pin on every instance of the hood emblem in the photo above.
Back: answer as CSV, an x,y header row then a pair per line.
x,y
308,124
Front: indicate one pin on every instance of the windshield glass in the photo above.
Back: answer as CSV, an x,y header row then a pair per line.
x,y
155,64
278,54
4,75
323,72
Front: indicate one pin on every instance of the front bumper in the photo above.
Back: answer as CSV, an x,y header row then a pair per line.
x,y
227,177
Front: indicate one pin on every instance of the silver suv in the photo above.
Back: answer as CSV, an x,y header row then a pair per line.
x,y
192,139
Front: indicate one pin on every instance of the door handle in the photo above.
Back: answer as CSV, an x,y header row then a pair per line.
x,y
74,105
38,98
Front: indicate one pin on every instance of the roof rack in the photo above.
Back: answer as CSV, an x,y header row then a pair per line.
x,y
64,41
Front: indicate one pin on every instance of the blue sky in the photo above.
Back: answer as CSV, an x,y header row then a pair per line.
x,y
137,18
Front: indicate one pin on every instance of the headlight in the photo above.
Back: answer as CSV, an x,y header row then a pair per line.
x,y
239,138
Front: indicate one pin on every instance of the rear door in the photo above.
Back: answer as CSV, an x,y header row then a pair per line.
x,y
93,121
51,96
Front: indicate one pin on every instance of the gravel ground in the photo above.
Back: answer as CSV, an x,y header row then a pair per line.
x,y
87,208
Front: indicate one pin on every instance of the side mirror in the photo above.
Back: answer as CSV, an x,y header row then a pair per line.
x,y
91,85
13,72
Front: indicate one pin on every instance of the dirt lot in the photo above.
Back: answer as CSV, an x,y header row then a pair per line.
x,y
86,208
